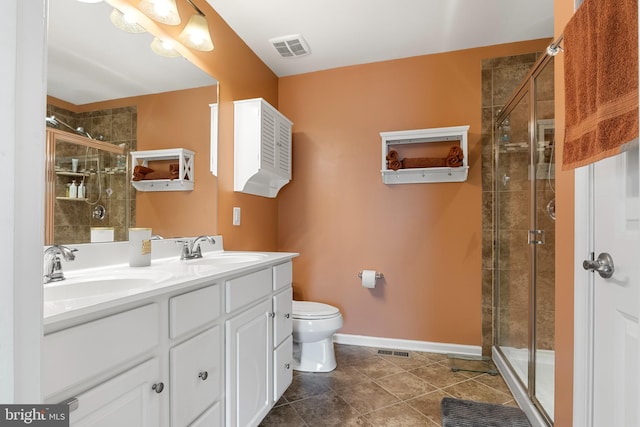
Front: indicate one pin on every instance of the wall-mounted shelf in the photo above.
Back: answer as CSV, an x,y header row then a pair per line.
x,y
421,138
69,173
185,160
72,199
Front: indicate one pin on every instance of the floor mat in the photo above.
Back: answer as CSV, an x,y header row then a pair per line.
x,y
467,413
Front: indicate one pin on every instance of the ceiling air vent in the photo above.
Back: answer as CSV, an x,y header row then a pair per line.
x,y
290,46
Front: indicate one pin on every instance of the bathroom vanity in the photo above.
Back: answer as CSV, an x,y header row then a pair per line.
x,y
204,342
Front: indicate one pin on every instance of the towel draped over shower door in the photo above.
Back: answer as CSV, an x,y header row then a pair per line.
x,y
601,81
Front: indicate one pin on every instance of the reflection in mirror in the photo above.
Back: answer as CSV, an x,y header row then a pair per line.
x,y
100,81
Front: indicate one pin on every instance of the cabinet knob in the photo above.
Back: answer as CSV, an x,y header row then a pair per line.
x,y
287,315
158,387
203,375
287,366
271,314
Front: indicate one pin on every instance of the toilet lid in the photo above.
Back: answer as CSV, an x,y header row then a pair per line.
x,y
313,310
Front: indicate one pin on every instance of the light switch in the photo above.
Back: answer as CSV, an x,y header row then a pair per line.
x,y
236,216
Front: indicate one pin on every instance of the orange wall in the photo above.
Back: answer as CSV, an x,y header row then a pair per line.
x,y
425,238
563,11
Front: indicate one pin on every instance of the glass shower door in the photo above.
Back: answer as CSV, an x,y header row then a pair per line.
x,y
513,259
544,169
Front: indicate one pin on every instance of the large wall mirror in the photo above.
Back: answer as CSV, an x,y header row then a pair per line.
x,y
103,84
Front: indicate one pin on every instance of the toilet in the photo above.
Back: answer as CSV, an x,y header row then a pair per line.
x,y
314,324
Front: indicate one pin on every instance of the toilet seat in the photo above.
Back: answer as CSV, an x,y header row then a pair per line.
x,y
309,310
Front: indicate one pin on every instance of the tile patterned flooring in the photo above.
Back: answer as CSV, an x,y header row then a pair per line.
x,y
371,390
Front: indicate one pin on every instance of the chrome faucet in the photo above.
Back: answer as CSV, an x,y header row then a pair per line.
x,y
191,249
53,265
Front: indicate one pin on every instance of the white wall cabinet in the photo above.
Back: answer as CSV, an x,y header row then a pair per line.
x,y
162,364
262,148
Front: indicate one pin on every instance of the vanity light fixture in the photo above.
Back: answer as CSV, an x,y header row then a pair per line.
x,y
164,48
196,33
164,11
125,22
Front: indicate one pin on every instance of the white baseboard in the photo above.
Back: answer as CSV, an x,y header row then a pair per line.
x,y
410,345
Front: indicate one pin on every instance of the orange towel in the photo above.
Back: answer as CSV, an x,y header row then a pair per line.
x,y
601,80
455,157
161,175
424,162
139,172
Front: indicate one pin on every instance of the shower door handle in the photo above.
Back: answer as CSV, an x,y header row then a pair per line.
x,y
603,265
535,237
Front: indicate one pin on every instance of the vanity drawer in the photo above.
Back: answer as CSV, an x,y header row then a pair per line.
x,y
77,354
282,275
194,309
246,289
282,321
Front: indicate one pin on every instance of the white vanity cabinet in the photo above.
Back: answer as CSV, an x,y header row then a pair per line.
x,y
282,329
211,354
262,148
95,365
259,343
249,357
127,400
195,365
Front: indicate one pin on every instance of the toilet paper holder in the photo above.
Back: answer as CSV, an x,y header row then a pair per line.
x,y
378,275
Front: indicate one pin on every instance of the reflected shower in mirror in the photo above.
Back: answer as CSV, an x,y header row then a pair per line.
x,y
103,84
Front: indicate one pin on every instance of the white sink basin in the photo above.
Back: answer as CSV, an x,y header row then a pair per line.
x,y
225,258
83,288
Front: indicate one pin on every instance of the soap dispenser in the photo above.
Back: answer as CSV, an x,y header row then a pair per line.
x,y
73,190
81,190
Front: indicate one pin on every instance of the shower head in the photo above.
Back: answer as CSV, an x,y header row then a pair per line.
x,y
83,132
52,121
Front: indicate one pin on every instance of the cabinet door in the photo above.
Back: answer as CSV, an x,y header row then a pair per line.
x,y
283,148
211,418
282,371
127,400
282,322
268,139
249,363
196,380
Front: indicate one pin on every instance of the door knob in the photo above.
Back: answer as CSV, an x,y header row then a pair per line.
x,y
603,265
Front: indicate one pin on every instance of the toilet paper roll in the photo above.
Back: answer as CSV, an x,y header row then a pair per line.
x,y
368,279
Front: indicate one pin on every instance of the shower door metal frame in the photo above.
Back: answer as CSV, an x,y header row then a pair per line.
x,y
525,89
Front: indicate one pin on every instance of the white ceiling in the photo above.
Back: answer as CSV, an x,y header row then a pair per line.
x,y
89,60
348,32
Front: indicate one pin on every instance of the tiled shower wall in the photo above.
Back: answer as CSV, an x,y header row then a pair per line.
x,y
73,221
500,77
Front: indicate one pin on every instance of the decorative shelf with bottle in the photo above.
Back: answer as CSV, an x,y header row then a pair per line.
x,y
421,141
183,157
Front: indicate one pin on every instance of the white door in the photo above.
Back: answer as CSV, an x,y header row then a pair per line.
x,y
616,231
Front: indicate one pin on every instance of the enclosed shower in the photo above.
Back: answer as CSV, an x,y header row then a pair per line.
x,y
524,236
